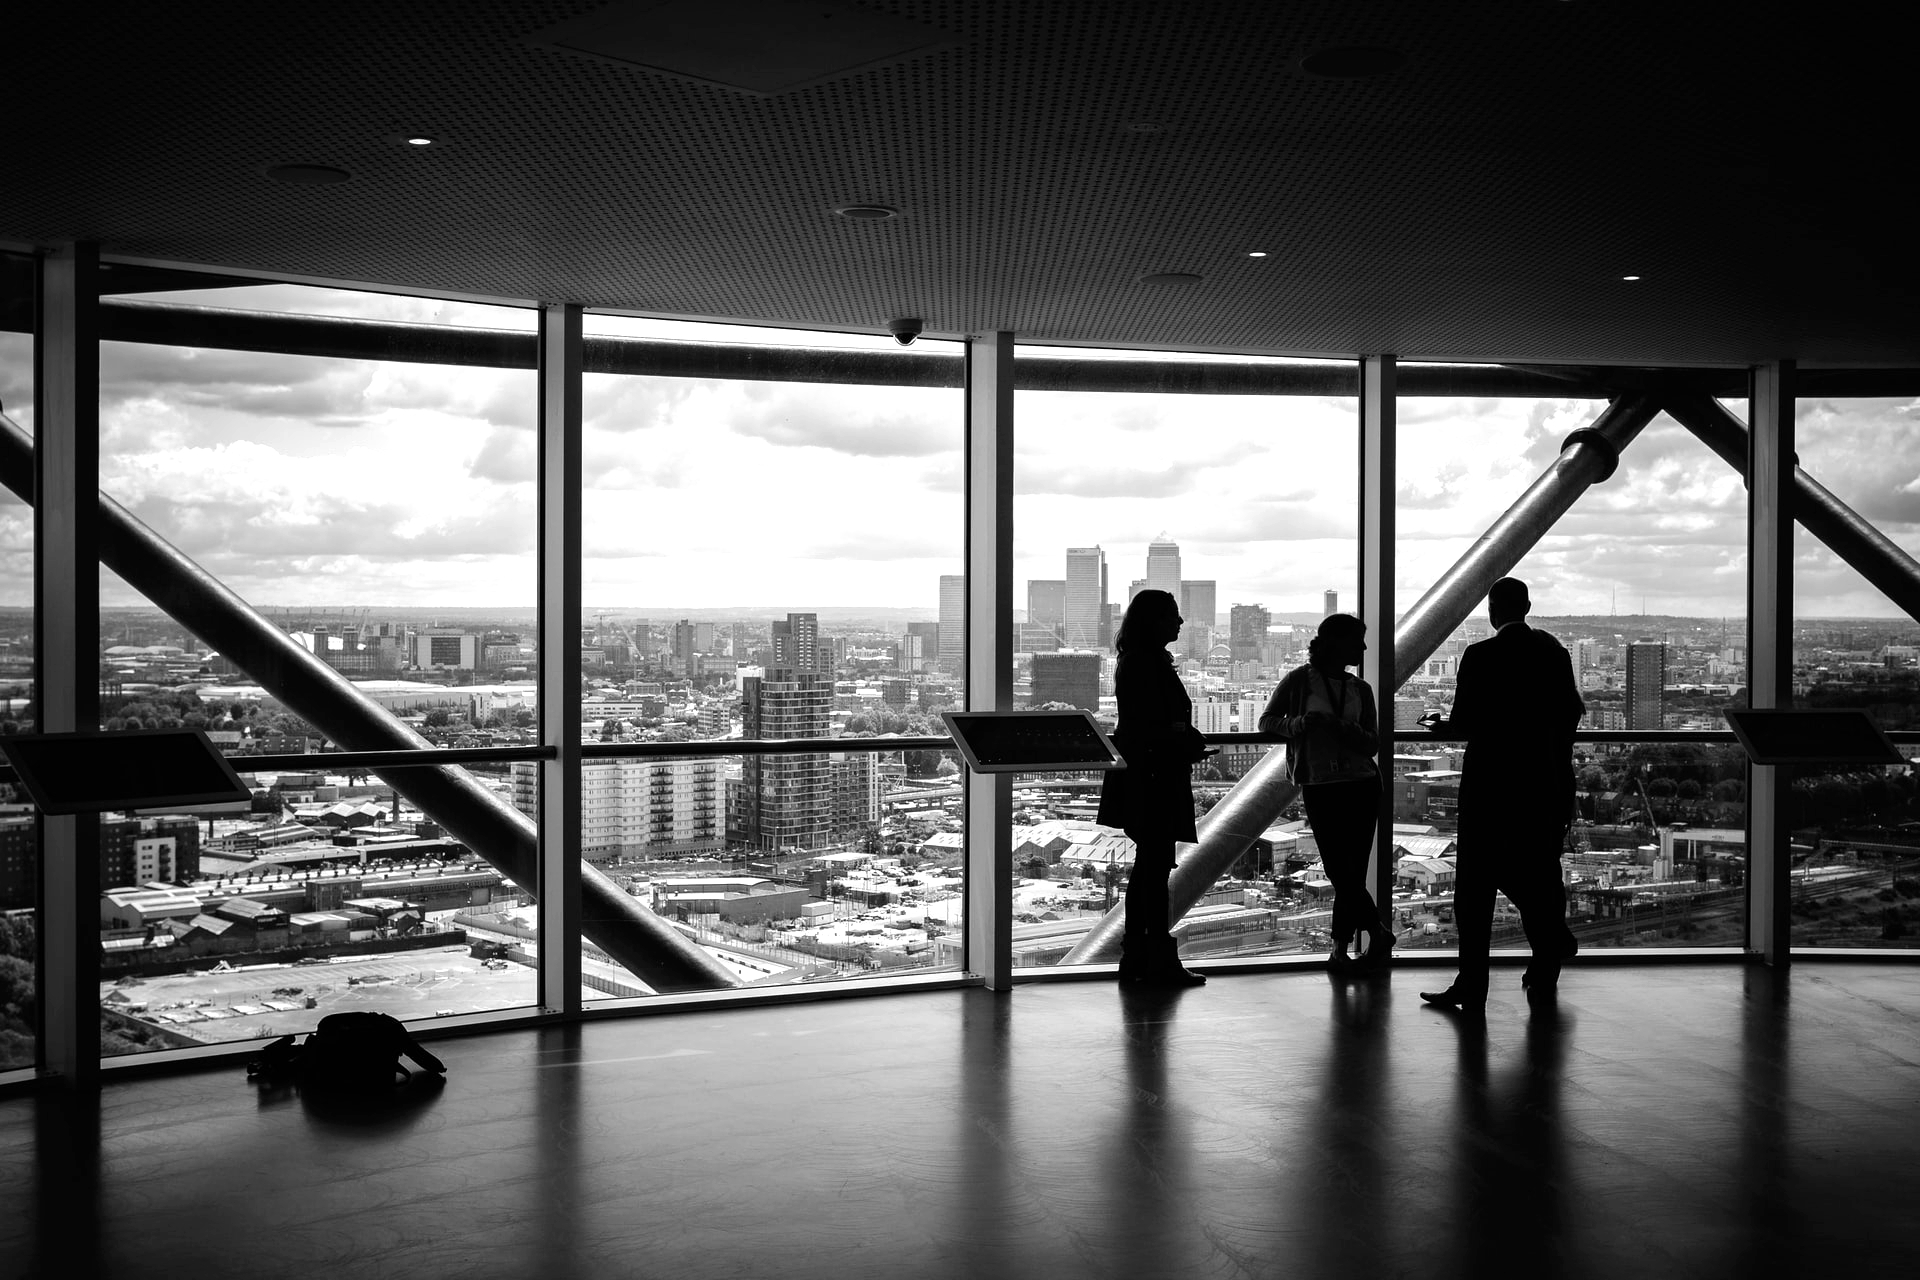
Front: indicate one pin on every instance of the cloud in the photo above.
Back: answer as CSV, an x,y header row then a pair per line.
x,y
507,457
895,546
620,404
310,391
1077,479
797,422
1434,490
333,525
1278,520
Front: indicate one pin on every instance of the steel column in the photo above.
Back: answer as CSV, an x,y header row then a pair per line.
x,y
1769,650
1249,808
989,622
560,546
655,951
1377,501
64,473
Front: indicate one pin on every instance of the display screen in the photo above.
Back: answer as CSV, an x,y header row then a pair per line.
x,y
1031,741
93,772
1812,737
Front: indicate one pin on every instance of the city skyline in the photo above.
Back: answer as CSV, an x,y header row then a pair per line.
x,y
297,479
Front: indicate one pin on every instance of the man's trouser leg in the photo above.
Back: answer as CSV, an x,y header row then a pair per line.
x,y
1473,892
1536,890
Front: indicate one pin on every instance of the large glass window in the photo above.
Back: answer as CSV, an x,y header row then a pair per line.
x,y
1240,505
1856,832
774,560
1643,580
379,514
19,829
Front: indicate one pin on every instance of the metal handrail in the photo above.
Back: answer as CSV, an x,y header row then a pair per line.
x,y
762,747
294,762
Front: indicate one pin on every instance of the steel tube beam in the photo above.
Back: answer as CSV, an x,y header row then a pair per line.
x,y
1893,572
1229,829
179,324
656,952
1588,457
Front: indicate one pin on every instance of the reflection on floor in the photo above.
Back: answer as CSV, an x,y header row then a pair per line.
x,y
1696,1121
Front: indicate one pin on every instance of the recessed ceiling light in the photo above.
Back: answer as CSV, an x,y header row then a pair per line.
x,y
1257,253
419,141
1170,277
867,212
1356,62
1629,277
308,175
1146,126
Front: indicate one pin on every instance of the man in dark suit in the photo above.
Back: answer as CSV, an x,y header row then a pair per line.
x,y
1517,705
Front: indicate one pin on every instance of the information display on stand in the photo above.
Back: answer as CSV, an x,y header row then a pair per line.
x,y
1031,741
138,769
1847,736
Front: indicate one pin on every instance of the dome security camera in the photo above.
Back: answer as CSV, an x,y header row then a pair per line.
x,y
904,331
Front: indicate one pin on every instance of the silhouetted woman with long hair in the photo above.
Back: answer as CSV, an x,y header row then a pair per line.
x,y
1152,798
1332,732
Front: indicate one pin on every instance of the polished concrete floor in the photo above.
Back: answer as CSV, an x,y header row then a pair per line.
x,y
1681,1121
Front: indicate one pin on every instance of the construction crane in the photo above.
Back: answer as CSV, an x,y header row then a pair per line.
x,y
1646,805
633,650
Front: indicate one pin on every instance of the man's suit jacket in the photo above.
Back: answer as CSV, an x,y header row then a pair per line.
x,y
1518,706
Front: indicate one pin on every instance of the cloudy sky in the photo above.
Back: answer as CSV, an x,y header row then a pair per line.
x,y
313,482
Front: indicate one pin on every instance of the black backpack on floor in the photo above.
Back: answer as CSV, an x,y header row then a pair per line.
x,y
348,1052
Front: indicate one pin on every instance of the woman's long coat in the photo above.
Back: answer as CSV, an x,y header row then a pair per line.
x,y
1153,796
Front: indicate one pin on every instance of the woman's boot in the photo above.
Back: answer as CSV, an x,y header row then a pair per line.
x,y
1167,971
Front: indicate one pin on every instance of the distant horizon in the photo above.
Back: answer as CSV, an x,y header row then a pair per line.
x,y
669,613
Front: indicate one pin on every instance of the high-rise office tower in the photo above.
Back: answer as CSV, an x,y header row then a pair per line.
x,y
1197,602
1135,587
1246,627
1330,603
1086,598
1046,602
953,621
788,800
1214,715
797,647
637,806
1072,678
1163,566
1109,610
1646,684
858,789
920,647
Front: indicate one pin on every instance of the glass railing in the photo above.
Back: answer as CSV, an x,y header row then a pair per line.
x,y
328,891
808,861
1655,858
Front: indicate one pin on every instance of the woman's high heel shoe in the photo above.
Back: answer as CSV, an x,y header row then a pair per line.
x,y
1378,953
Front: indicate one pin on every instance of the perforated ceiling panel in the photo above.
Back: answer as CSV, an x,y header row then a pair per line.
x,y
1484,201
